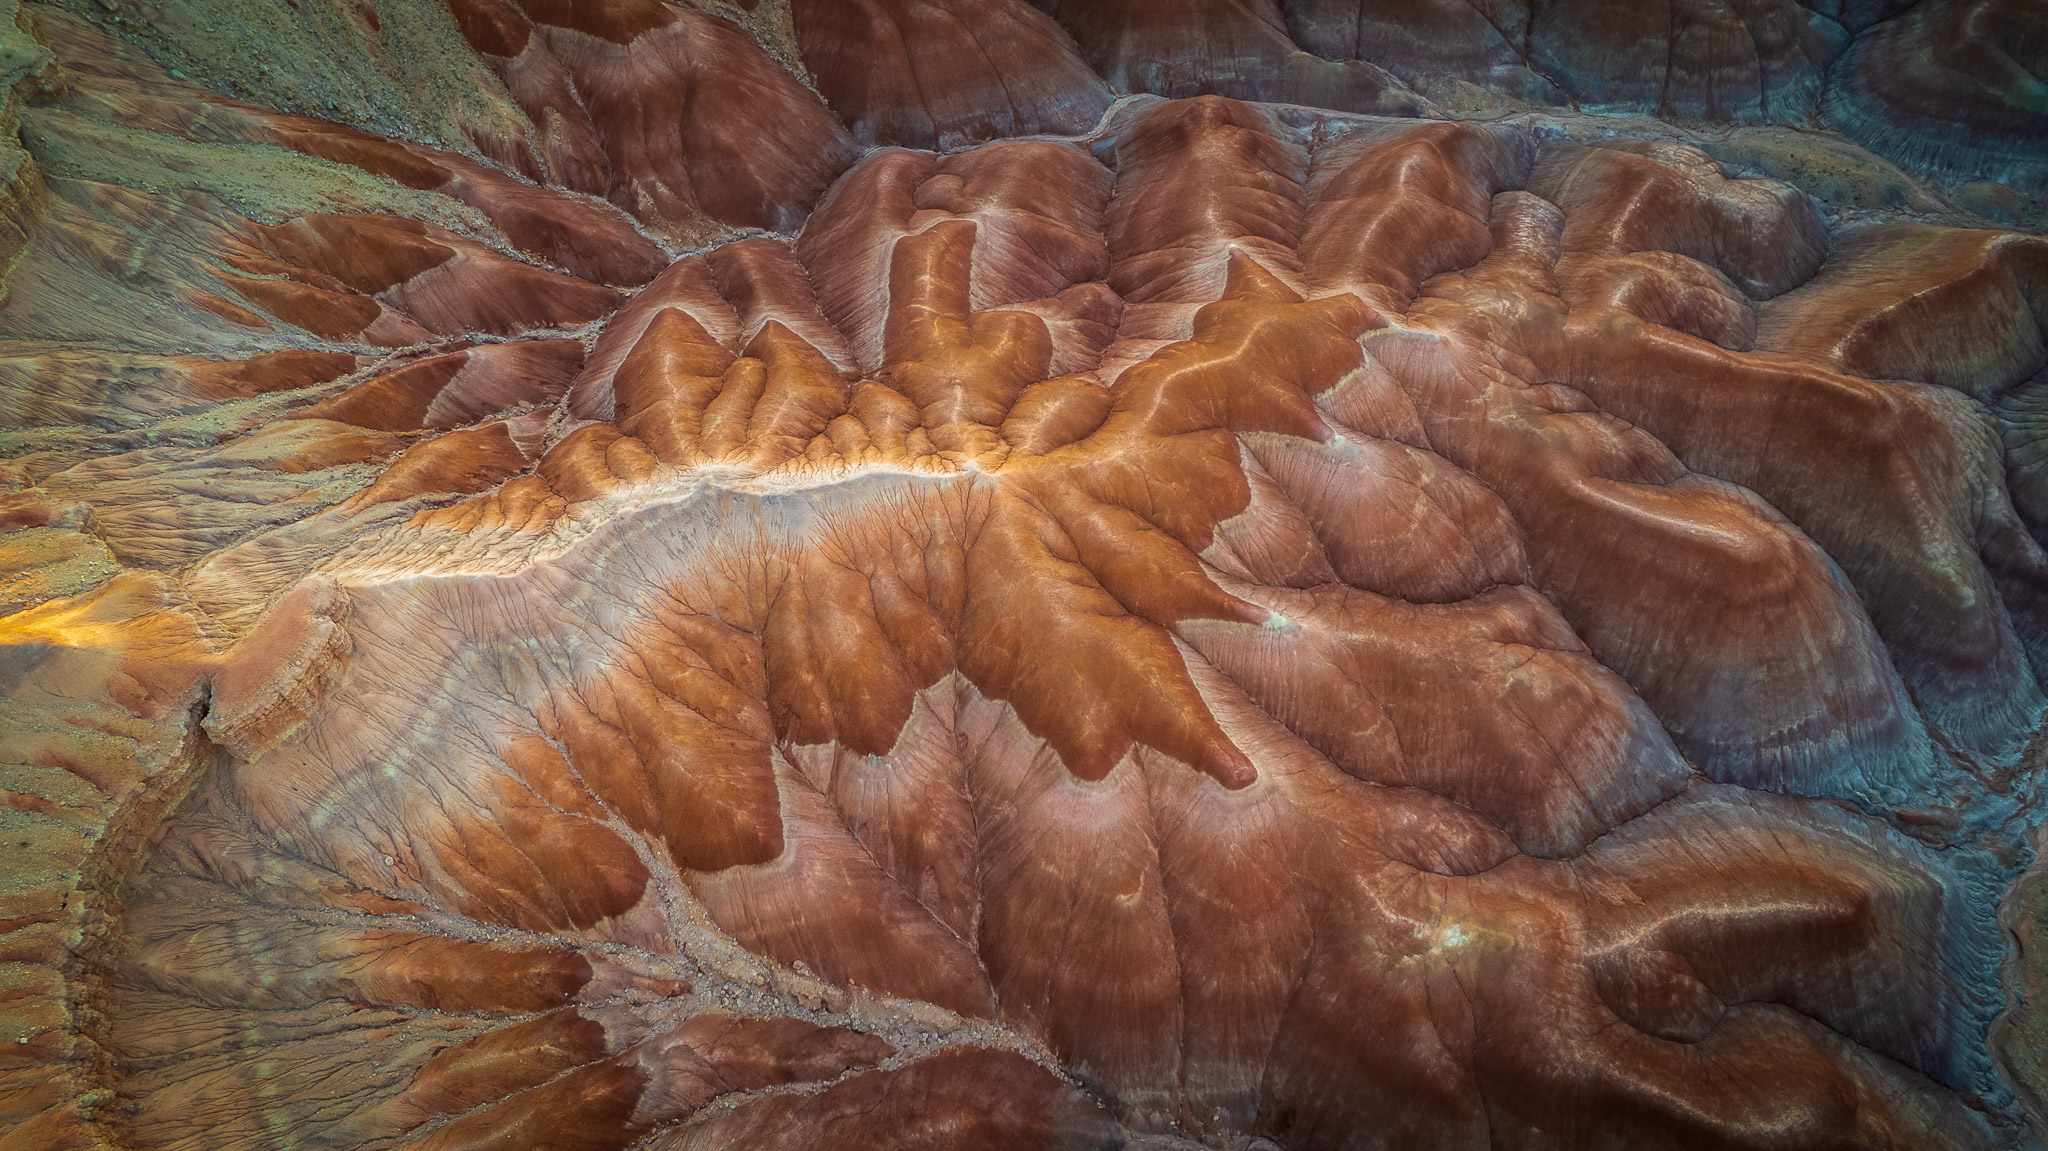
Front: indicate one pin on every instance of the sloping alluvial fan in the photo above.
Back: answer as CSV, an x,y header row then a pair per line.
x,y
1271,575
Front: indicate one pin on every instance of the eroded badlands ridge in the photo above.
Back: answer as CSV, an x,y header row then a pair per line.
x,y
638,618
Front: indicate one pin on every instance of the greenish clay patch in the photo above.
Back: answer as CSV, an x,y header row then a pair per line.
x,y
41,564
261,181
395,68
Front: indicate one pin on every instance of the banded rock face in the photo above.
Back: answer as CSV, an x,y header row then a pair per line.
x,y
658,616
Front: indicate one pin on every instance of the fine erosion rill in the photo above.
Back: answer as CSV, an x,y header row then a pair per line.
x,y
1263,575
